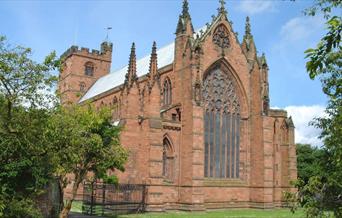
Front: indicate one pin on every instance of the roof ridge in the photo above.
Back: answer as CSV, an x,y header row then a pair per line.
x,y
117,77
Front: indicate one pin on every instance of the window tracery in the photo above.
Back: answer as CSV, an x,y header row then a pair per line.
x,y
221,37
221,126
167,92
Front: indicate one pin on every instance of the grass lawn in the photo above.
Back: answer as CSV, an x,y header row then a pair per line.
x,y
231,213
236,213
76,206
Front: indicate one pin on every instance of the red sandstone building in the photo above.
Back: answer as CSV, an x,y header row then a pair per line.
x,y
195,116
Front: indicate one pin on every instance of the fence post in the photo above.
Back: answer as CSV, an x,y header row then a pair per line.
x,y
103,197
84,197
92,198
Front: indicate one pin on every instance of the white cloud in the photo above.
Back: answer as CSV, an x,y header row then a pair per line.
x,y
255,7
301,28
302,115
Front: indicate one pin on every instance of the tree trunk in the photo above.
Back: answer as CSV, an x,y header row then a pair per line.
x,y
68,203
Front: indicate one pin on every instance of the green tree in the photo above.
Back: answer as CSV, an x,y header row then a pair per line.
x,y
40,140
309,161
323,192
85,143
24,102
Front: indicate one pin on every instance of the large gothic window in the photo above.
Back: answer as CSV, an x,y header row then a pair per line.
x,y
167,92
221,126
168,160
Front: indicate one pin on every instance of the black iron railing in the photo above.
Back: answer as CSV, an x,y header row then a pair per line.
x,y
103,199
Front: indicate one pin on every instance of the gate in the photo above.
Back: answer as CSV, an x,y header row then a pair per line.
x,y
102,199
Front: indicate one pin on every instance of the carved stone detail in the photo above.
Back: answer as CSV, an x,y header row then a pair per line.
x,y
221,37
219,93
198,94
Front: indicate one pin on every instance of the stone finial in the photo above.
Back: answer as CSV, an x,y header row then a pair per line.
x,y
185,9
222,9
184,20
263,60
153,71
132,65
248,40
154,48
248,27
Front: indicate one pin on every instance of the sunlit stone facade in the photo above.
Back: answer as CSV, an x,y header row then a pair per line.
x,y
195,117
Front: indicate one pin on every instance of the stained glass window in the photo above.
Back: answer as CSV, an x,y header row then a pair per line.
x,y
221,126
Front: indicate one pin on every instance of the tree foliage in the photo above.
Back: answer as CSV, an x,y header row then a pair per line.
x,y
84,141
309,161
322,193
24,165
40,140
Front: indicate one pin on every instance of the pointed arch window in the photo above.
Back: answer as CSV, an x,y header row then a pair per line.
x,y
115,110
167,92
283,133
221,126
168,160
89,69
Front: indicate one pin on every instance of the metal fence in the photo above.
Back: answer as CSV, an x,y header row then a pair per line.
x,y
104,199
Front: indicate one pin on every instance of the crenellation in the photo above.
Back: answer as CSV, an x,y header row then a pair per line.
x,y
83,49
105,52
95,52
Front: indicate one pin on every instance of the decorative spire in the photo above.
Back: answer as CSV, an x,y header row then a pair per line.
x,y
263,60
153,62
184,19
185,11
132,68
248,41
222,9
247,27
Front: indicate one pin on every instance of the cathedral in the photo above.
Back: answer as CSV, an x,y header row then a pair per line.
x,y
195,117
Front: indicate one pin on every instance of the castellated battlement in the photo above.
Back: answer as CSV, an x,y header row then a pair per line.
x,y
104,53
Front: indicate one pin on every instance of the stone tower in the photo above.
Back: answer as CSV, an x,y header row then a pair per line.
x,y
80,69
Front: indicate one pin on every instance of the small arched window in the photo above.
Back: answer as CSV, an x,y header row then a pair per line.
x,y
284,133
167,92
115,108
82,87
89,69
168,160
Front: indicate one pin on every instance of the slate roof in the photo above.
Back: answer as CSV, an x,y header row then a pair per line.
x,y
165,57
114,79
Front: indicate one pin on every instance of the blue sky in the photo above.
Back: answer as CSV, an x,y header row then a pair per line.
x,y
279,27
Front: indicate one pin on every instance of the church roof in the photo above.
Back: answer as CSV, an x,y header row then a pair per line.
x,y
165,57
114,79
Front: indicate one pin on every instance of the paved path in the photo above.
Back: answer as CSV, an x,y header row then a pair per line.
x,y
79,215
